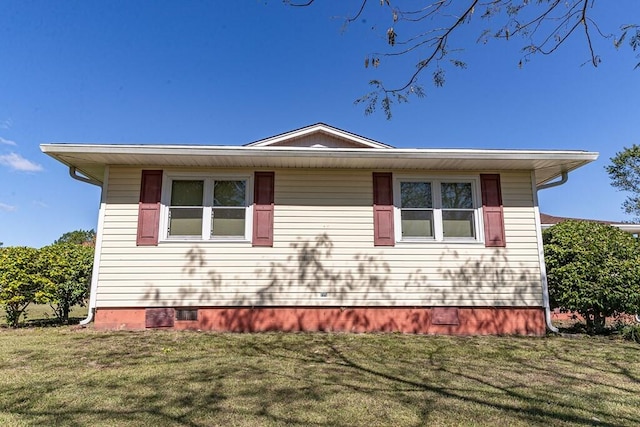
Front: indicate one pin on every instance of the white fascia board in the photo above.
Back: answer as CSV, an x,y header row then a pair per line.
x,y
393,153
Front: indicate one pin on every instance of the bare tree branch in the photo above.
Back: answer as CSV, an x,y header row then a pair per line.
x,y
438,49
290,3
546,25
357,15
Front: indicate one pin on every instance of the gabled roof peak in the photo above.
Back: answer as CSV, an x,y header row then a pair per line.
x,y
308,137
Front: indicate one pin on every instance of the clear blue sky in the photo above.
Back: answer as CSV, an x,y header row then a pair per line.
x,y
231,72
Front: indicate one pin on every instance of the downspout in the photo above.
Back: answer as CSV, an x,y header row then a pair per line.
x,y
74,174
563,178
99,233
543,269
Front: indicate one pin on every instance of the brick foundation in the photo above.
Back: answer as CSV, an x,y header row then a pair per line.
x,y
572,316
418,320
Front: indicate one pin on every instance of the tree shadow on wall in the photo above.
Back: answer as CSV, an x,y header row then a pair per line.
x,y
186,295
312,277
313,270
356,292
491,279
497,292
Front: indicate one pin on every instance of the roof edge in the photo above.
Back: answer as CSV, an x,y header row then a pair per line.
x,y
203,150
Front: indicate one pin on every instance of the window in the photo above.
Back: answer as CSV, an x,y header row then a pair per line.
x,y
229,209
416,210
187,206
457,210
207,208
436,209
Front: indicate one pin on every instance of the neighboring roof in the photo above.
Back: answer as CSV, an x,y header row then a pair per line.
x,y
547,221
91,159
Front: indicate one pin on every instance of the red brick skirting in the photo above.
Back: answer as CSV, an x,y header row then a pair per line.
x,y
418,320
571,316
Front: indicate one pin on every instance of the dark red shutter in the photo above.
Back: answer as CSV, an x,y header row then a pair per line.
x,y
492,210
263,199
383,234
149,208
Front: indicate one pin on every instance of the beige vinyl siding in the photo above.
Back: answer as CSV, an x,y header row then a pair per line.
x,y
323,245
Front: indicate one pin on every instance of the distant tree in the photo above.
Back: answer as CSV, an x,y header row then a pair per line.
x,y
20,281
593,269
624,172
430,33
67,269
78,237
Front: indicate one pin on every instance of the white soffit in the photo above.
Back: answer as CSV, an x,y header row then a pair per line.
x,y
91,159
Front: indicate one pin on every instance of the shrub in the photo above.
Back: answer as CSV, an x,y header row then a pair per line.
x,y
631,333
20,281
67,270
593,269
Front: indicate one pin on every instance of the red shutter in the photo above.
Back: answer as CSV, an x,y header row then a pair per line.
x,y
492,211
149,208
263,199
383,209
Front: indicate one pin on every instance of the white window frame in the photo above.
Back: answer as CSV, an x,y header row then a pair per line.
x,y
436,193
209,179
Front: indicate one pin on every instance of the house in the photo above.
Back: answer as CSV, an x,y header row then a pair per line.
x,y
318,229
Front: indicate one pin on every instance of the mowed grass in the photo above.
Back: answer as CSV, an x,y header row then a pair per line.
x,y
42,314
74,376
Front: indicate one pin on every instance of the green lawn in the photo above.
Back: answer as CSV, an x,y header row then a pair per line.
x,y
74,376
42,314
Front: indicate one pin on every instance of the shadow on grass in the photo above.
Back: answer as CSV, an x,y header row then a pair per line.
x,y
42,315
46,322
49,322
317,379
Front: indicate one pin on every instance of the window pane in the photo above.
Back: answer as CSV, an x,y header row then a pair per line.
x,y
186,193
229,193
417,223
458,224
185,222
228,222
457,195
415,195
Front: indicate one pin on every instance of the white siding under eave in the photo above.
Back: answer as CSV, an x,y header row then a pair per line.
x,y
323,254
